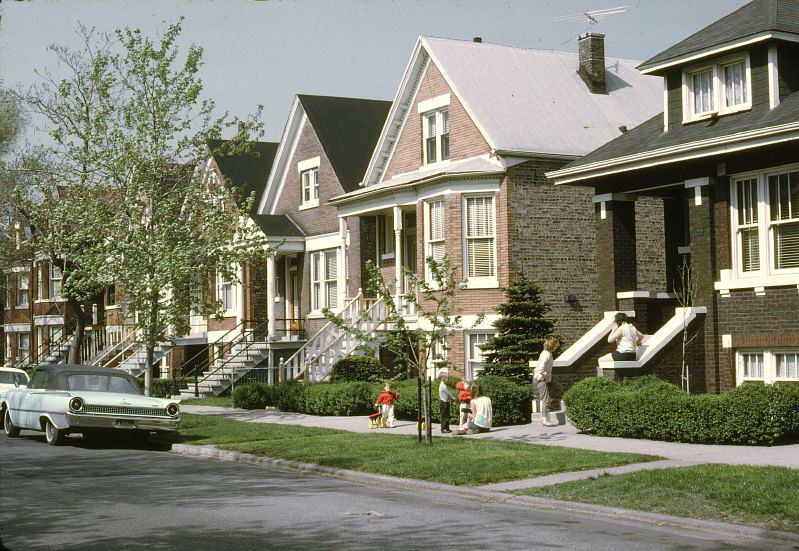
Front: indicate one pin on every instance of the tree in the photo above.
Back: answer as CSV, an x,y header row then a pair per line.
x,y
686,294
173,228
521,332
411,345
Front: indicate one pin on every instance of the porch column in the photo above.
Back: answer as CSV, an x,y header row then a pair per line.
x,y
398,253
341,262
240,310
701,216
616,248
270,295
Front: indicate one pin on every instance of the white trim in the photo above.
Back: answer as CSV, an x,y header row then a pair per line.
x,y
726,341
308,164
488,282
323,242
685,249
682,152
605,197
48,320
769,364
717,88
697,182
773,77
312,204
665,105
283,156
755,282
646,294
19,269
717,49
17,327
433,103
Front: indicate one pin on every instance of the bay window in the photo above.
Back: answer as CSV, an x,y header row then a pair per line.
x,y
768,365
55,282
23,291
765,223
479,240
434,233
721,87
324,279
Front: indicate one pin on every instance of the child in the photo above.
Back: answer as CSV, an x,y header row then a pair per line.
x,y
386,403
464,397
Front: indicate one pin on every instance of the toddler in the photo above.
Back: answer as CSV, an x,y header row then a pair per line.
x,y
386,403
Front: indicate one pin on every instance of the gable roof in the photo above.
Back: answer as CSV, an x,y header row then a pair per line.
x,y
348,129
525,101
759,17
649,143
248,172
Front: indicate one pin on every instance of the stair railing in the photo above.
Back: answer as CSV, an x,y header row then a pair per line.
x,y
247,338
125,344
207,356
35,358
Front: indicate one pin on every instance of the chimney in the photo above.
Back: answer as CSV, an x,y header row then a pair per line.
x,y
478,39
591,50
240,126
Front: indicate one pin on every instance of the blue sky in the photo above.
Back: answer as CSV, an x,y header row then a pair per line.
x,y
264,52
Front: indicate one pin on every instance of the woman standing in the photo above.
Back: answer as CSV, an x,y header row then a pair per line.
x,y
626,338
542,375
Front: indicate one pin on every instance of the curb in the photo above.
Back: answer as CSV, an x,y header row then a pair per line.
x,y
716,528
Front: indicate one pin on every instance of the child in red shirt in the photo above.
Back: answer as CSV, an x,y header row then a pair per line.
x,y
464,397
386,403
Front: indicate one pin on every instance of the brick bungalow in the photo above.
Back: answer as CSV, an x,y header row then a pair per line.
x,y
459,169
723,157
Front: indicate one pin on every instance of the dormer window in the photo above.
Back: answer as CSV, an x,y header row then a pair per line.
x,y
435,130
717,88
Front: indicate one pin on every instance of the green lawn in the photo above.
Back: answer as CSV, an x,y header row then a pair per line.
x,y
224,401
763,496
459,461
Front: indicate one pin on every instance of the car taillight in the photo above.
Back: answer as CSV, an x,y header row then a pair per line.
x,y
172,410
76,404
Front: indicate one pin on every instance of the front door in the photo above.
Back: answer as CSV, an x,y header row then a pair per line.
x,y
293,303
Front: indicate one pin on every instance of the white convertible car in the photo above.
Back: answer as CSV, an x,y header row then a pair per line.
x,y
11,377
63,399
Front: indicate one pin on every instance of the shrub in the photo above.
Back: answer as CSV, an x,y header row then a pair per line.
x,y
511,402
357,368
164,388
752,414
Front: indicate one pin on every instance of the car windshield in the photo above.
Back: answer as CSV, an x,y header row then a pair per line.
x,y
102,383
12,377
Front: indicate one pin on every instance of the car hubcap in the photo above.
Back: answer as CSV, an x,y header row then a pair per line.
x,y
7,423
50,432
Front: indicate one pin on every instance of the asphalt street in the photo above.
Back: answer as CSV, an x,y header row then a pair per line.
x,y
125,496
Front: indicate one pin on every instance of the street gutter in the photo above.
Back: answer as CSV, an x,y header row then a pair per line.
x,y
722,529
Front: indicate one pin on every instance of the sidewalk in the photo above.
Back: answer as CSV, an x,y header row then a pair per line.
x,y
563,435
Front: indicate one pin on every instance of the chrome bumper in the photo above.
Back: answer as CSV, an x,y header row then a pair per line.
x,y
121,422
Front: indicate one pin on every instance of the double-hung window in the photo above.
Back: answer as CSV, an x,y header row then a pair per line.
x,y
385,237
435,135
479,240
768,366
23,347
721,87
434,233
324,280
765,223
55,283
474,353
23,291
225,293
310,187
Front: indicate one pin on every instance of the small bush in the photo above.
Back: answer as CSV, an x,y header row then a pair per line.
x,y
751,414
511,402
357,368
164,388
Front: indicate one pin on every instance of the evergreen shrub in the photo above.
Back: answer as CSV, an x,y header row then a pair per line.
x,y
357,368
646,407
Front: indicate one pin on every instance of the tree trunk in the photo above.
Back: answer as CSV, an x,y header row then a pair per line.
x,y
152,330
75,308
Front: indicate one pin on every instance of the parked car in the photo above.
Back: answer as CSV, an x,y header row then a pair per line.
x,y
64,399
11,377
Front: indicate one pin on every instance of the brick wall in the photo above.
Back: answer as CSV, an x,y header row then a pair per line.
x,y
650,235
465,139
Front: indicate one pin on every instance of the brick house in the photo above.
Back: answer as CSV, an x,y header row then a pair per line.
x,y
723,157
459,169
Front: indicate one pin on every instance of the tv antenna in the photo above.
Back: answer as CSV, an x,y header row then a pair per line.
x,y
592,17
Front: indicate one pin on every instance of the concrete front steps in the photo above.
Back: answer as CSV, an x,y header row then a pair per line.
x,y
243,357
136,363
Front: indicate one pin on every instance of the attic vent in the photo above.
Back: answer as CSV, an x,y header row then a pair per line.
x,y
591,50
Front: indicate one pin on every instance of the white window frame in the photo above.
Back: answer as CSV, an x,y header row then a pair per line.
x,y
309,168
20,335
385,236
39,281
470,369
718,90
769,365
441,116
429,241
439,355
223,286
51,290
492,280
18,287
767,274
321,281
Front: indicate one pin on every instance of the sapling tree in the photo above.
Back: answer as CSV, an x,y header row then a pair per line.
x,y
686,294
413,345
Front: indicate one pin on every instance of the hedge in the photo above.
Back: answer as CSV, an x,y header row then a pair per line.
x,y
511,402
357,368
166,387
752,414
